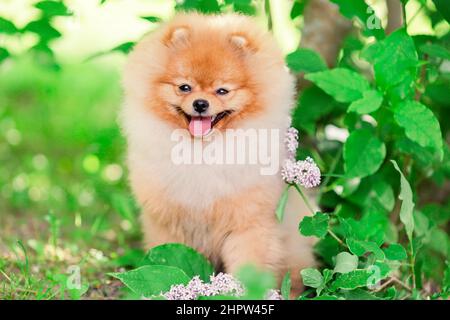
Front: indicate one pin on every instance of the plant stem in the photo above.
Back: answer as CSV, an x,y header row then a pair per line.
x,y
5,275
412,261
305,199
268,13
390,281
384,285
336,238
329,176
404,285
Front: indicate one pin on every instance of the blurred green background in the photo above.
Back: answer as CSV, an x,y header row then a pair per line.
x,y
64,198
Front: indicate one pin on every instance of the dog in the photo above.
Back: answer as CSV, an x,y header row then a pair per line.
x,y
207,75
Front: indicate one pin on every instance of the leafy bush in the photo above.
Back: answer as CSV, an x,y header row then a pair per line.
x,y
375,123
391,121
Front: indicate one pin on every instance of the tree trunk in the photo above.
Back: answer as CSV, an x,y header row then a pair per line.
x,y
324,29
395,17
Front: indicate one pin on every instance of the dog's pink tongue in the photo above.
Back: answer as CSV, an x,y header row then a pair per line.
x,y
200,126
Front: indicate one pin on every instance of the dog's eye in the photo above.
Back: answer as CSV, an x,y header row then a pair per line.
x,y
185,88
221,91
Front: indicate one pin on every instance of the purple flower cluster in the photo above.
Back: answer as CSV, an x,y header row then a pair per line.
x,y
304,172
274,295
220,284
291,142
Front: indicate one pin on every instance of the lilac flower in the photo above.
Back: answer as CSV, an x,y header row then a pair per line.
x,y
197,287
289,172
274,295
306,172
225,283
291,141
220,284
179,292
309,173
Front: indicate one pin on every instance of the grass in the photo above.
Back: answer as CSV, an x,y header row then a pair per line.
x,y
64,202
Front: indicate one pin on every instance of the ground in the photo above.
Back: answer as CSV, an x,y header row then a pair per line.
x,y
64,202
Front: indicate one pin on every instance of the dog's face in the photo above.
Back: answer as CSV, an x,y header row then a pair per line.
x,y
207,72
206,83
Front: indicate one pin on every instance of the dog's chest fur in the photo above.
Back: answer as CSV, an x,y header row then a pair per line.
x,y
195,186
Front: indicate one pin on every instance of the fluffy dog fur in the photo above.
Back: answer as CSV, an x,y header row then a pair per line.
x,y
227,212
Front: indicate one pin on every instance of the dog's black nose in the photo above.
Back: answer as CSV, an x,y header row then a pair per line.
x,y
200,105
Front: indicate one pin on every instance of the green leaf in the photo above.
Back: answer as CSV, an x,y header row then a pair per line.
x,y
124,205
183,257
305,60
255,281
286,286
152,19
435,50
421,224
446,280
351,280
205,6
342,84
327,248
368,277
3,54
324,297
363,153
53,8
371,227
444,9
395,62
383,193
359,294
395,252
315,226
345,262
7,26
439,241
311,277
327,276
425,157
282,204
361,247
297,8
407,207
130,258
312,105
390,294
365,14
414,117
439,91
438,214
43,29
370,102
345,187
152,280
242,6
124,47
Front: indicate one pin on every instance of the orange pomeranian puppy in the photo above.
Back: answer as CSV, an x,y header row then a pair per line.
x,y
213,78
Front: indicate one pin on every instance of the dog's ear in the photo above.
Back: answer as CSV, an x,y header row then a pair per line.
x,y
177,37
241,42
